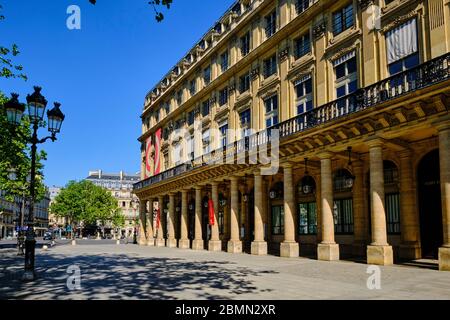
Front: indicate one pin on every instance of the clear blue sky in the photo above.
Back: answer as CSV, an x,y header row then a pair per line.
x,y
100,73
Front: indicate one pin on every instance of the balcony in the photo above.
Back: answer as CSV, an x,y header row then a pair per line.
x,y
425,75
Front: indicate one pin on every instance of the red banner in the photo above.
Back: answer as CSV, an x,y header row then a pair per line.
x,y
158,218
211,212
148,158
158,151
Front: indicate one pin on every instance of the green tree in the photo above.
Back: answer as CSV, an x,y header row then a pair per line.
x,y
85,202
7,68
15,156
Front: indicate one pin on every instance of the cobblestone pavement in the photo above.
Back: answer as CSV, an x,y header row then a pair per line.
x,y
127,271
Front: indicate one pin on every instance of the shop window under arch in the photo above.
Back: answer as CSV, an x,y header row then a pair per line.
x,y
307,207
343,202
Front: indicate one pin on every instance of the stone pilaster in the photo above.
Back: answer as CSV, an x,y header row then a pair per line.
x,y
359,218
379,252
215,244
184,242
198,243
160,241
328,249
259,245
149,215
235,244
444,160
410,245
142,224
289,247
171,241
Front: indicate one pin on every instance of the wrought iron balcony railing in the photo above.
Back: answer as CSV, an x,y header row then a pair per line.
x,y
403,83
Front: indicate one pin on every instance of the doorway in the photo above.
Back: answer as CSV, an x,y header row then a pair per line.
x,y
430,206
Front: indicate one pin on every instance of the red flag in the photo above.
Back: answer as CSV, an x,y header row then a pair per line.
x,y
158,218
158,134
211,212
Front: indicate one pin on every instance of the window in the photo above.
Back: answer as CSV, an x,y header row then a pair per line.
x,y
191,117
301,5
244,83
157,117
342,19
277,220
307,218
245,118
224,61
223,96
402,54
167,108
205,108
193,87
271,105
346,78
223,128
166,161
191,146
302,46
207,75
343,216
271,24
270,66
393,213
303,89
245,44
179,97
206,142
177,153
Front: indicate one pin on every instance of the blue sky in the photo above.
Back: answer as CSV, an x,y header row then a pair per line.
x,y
101,73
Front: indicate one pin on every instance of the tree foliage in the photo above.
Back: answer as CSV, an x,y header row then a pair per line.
x,y
156,5
7,68
85,202
15,156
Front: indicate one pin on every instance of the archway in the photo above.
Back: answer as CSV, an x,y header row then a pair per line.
x,y
430,207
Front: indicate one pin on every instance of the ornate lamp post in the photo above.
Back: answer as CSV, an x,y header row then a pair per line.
x,y
36,108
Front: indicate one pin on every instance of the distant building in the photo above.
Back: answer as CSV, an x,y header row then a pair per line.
x,y
10,215
53,220
120,185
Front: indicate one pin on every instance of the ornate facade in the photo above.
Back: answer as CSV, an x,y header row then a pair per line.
x,y
358,94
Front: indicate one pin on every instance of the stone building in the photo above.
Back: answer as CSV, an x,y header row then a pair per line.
x,y
353,96
120,185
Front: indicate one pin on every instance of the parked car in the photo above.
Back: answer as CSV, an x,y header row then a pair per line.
x,y
48,236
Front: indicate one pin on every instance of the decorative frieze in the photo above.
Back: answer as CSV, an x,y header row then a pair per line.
x,y
254,74
398,21
284,54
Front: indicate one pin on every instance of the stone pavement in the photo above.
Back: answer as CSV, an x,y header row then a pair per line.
x,y
131,272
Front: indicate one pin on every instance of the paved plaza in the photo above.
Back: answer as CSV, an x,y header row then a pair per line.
x,y
128,271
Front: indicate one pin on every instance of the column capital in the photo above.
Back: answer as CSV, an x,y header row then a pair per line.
x,y
198,187
287,165
234,179
325,155
443,125
405,153
184,191
172,194
375,142
214,183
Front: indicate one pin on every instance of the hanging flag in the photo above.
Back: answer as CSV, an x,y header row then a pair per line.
x,y
158,151
148,158
158,218
211,212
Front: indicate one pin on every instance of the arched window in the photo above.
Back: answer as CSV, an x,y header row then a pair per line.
x,y
277,208
392,197
343,202
307,207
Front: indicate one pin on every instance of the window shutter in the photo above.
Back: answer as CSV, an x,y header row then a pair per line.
x,y
401,41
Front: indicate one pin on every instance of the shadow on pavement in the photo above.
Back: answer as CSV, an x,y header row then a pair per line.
x,y
127,277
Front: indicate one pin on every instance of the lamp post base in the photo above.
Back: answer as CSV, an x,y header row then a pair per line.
x,y
28,275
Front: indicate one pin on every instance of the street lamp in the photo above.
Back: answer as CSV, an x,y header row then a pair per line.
x,y
36,108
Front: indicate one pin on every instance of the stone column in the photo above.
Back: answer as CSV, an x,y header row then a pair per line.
x,y
328,249
235,244
142,224
215,244
259,246
160,242
409,217
289,247
198,243
149,214
379,252
359,218
171,241
444,159
184,242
